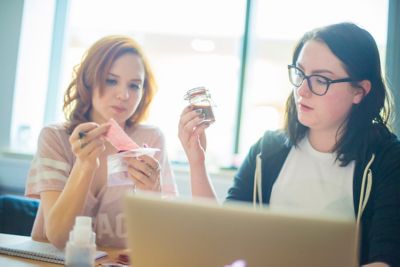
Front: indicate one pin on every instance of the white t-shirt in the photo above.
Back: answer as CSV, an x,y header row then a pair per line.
x,y
313,181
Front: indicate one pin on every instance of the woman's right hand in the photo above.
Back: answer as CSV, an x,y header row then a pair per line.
x,y
192,135
87,142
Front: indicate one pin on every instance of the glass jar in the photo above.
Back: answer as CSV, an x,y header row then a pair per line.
x,y
200,98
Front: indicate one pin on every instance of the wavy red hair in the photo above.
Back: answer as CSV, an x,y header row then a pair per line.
x,y
92,72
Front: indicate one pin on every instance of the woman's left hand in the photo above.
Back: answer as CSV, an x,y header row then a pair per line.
x,y
146,173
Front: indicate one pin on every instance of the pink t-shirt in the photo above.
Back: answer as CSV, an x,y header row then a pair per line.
x,y
53,163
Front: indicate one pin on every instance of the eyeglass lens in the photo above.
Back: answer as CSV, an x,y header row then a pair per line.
x,y
317,84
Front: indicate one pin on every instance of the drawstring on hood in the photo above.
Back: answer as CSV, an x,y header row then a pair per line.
x,y
366,187
257,188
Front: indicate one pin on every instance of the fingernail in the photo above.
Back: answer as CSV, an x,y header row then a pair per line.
x,y
82,134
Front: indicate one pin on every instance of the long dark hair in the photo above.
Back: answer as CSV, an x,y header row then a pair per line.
x,y
92,72
358,52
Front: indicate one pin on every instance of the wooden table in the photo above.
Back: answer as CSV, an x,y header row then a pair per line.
x,y
12,261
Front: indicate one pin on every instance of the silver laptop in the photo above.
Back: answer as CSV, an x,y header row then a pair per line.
x,y
175,233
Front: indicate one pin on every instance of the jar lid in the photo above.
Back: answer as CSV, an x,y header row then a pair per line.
x,y
201,90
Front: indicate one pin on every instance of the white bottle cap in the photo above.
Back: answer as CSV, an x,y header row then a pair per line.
x,y
83,221
82,232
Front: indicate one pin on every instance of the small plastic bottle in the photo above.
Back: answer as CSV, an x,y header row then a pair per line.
x,y
81,246
200,98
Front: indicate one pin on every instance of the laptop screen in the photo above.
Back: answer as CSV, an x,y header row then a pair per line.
x,y
176,232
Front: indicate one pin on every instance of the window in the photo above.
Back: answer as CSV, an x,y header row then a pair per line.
x,y
276,27
32,74
189,43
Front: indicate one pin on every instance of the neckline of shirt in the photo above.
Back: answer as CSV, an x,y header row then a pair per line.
x,y
306,147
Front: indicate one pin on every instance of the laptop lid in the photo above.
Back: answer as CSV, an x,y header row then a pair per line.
x,y
176,232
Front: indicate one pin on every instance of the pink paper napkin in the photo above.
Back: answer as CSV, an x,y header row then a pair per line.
x,y
118,138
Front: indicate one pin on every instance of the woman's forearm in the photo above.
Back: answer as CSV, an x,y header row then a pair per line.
x,y
69,204
201,183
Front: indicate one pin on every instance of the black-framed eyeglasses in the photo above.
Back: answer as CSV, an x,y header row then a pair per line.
x,y
318,84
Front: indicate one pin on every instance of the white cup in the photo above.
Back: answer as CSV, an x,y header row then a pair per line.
x,y
117,168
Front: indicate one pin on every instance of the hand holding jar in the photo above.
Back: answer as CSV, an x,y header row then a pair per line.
x,y
194,119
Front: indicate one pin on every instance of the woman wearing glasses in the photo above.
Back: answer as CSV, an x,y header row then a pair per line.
x,y
335,153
